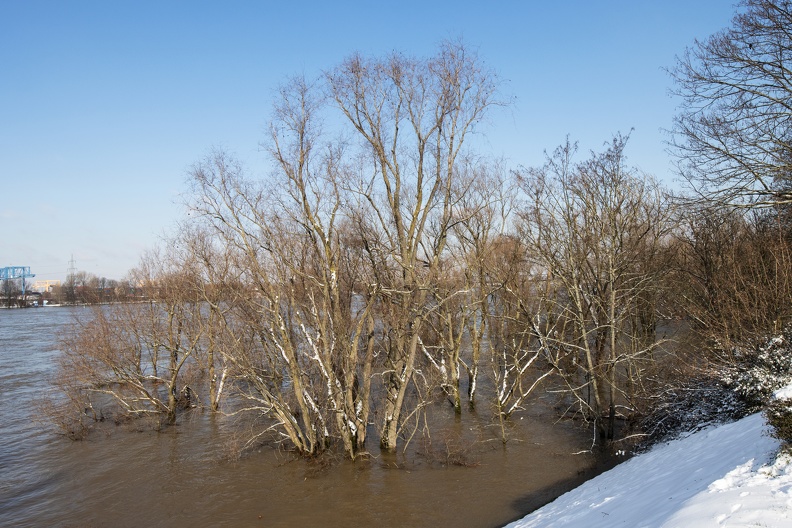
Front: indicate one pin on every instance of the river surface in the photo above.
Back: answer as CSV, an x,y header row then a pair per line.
x,y
183,477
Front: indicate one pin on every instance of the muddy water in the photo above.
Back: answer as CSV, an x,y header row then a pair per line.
x,y
181,477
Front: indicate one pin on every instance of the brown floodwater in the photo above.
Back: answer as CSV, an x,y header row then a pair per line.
x,y
183,476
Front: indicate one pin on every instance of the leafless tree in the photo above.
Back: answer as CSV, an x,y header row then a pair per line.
x,y
217,289
132,359
10,290
593,228
307,355
500,285
733,276
732,133
412,117
512,349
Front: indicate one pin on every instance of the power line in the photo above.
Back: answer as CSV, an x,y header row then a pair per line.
x,y
72,269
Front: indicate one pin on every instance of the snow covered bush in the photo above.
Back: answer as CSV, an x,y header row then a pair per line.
x,y
687,405
761,371
779,416
693,400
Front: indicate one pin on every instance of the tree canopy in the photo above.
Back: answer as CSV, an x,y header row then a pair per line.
x,y
733,132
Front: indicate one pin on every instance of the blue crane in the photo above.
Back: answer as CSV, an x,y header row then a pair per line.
x,y
16,272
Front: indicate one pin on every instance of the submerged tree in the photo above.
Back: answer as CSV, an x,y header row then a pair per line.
x,y
344,244
595,230
413,117
133,359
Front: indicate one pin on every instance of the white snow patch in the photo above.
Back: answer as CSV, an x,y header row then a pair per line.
x,y
784,393
722,476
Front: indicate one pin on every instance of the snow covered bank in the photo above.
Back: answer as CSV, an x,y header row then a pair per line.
x,y
723,476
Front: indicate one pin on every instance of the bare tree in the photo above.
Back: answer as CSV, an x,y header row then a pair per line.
x,y
515,352
733,276
412,117
325,271
266,345
217,289
10,292
732,134
132,359
592,228
308,320
499,289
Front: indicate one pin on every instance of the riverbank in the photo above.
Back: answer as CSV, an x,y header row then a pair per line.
x,y
724,475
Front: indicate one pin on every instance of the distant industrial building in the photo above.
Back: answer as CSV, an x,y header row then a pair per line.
x,y
45,286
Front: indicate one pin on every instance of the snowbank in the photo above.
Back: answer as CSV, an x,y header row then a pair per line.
x,y
723,476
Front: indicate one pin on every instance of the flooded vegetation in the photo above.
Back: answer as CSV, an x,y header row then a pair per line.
x,y
129,474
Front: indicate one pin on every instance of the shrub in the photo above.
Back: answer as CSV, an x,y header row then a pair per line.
x,y
762,370
688,405
779,416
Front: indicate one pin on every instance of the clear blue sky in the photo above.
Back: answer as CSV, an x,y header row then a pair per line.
x,y
104,106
